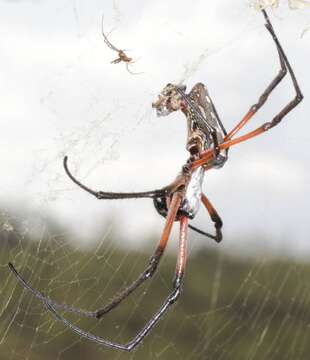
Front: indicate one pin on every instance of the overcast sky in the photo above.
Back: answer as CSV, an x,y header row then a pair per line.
x,y
60,95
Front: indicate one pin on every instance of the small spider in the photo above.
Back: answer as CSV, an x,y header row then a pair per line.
x,y
208,144
121,53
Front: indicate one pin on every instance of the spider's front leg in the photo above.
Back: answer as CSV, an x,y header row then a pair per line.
x,y
170,300
285,65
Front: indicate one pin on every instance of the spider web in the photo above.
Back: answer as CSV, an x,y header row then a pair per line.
x,y
231,307
293,4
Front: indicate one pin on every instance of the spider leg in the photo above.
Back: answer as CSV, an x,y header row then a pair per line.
x,y
116,61
201,232
128,69
147,273
282,72
106,38
113,195
170,300
42,297
205,126
207,155
153,262
112,47
133,61
218,223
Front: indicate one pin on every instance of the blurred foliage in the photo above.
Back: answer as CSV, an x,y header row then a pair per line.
x,y
231,308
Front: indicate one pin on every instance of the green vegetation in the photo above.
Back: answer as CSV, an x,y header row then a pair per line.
x,y
230,308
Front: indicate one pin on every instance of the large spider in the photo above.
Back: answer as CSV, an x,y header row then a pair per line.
x,y
207,143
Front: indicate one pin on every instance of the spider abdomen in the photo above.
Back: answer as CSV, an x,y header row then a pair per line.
x,y
191,202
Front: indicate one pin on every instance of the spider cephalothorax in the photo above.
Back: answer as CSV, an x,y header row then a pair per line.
x,y
208,143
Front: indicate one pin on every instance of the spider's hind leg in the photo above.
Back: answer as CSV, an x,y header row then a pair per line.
x,y
145,275
170,300
218,223
153,262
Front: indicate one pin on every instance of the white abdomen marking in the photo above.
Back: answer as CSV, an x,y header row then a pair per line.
x,y
192,198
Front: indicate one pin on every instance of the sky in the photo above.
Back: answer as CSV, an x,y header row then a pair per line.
x,y
60,95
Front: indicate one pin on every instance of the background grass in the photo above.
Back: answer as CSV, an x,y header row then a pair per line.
x,y
231,308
